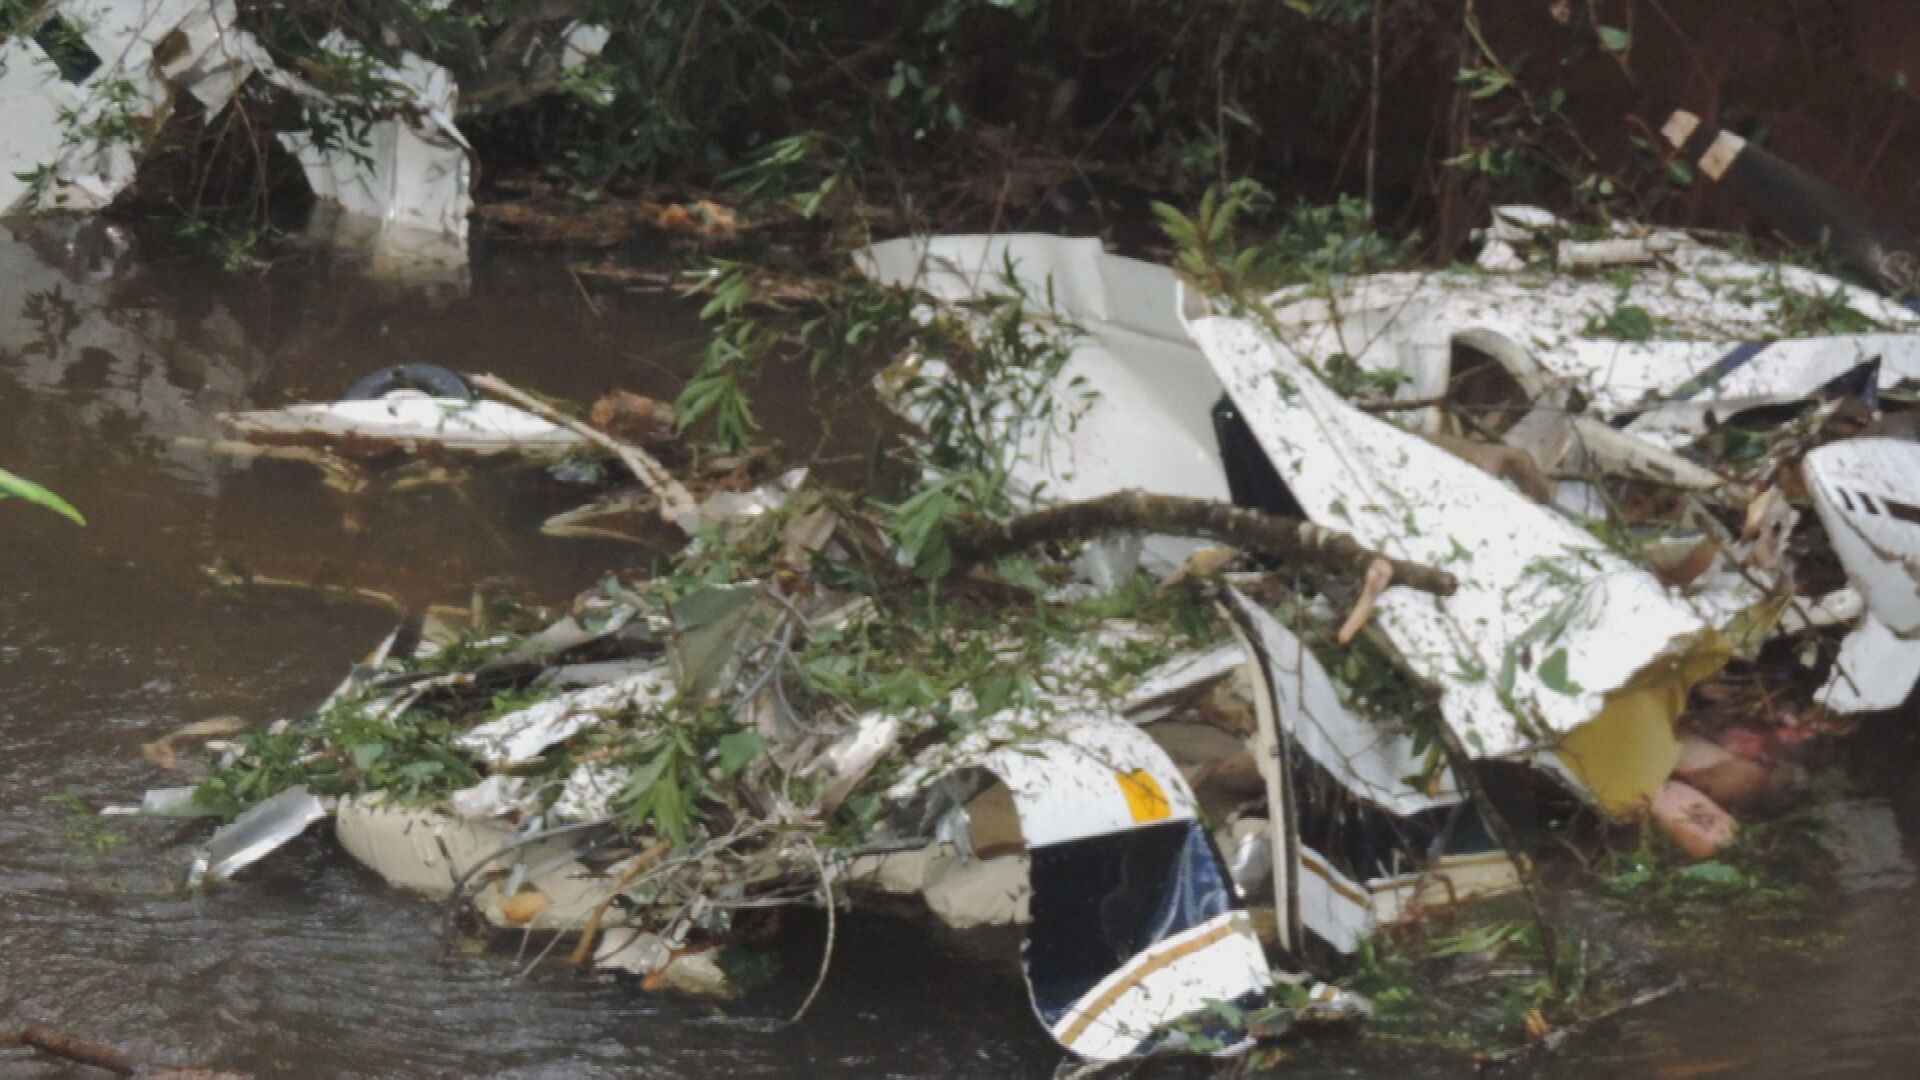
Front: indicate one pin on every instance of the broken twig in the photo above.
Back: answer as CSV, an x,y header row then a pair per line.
x,y
676,504
1250,530
1379,575
583,952
101,1056
826,954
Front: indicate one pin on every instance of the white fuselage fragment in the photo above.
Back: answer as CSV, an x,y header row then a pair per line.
x,y
1867,493
1711,345
1547,623
1138,392
411,421
1307,730
74,144
409,171
1080,781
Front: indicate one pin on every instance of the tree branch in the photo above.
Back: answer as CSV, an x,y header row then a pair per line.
x,y
1249,530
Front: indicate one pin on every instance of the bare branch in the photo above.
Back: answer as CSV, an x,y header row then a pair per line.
x,y
1249,530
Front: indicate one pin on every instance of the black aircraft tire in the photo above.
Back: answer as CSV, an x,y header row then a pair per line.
x,y
430,379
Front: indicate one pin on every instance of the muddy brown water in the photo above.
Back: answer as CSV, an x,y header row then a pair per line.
x,y
308,965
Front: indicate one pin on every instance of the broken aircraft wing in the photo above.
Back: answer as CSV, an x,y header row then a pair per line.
x,y
1554,649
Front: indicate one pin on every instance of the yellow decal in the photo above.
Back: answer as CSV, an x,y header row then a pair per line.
x,y
1144,796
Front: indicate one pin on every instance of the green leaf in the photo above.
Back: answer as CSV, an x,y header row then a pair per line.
x,y
16,487
1553,673
994,692
1021,573
1712,872
738,749
1614,38
368,754
1629,322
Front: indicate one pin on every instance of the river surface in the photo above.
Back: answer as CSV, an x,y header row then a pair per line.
x,y
114,634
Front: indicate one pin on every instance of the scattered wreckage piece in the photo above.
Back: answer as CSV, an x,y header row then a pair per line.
x,y
1554,649
409,170
1653,357
1132,368
521,736
1354,845
260,831
515,878
409,421
73,135
1134,921
1867,494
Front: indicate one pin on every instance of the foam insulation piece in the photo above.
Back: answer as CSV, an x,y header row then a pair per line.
x,y
426,851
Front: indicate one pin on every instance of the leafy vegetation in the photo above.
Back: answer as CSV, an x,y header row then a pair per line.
x,y
1759,894
17,487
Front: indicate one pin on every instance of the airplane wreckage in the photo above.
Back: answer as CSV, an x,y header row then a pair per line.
x,y
90,83
1178,818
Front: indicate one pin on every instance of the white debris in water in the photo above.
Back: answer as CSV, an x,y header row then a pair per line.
x,y
411,420
410,172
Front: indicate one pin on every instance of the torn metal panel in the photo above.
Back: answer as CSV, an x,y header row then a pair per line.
x,y
1357,845
159,44
1867,493
411,421
1132,370
1554,648
1147,699
1135,923
409,171
1709,349
73,142
262,830
36,102
1133,931
523,735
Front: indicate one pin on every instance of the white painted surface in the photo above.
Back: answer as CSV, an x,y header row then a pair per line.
x,y
1531,583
